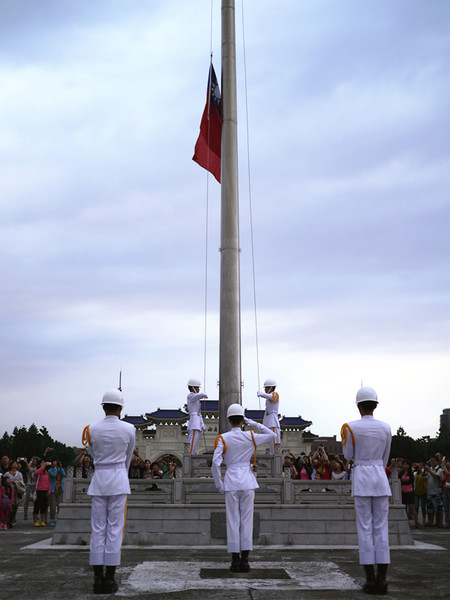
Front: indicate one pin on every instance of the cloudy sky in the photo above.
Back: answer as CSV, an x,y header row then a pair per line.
x,y
103,212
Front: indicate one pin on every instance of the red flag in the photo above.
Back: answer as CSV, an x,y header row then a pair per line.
x,y
207,148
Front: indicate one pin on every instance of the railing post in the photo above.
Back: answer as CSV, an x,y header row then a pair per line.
x,y
187,461
277,468
288,495
68,490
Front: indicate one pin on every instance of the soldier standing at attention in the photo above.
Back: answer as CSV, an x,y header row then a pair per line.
x,y
236,448
368,442
195,425
272,408
112,443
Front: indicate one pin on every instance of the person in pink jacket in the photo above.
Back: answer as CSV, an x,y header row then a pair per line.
x,y
43,490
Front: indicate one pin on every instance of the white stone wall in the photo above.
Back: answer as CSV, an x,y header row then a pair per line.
x,y
170,439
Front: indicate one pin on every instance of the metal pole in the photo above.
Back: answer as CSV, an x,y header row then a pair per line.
x,y
230,310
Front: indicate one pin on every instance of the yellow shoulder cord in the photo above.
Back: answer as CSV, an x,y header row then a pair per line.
x,y
86,437
275,397
344,429
223,442
254,456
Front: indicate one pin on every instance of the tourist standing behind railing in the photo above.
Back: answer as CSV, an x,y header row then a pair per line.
x,y
29,486
43,489
435,502
84,465
323,465
446,491
136,466
337,471
304,469
407,484
19,489
420,491
57,474
7,499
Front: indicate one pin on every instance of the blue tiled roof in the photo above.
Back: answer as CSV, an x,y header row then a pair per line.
x,y
294,422
209,405
254,414
167,414
308,434
134,420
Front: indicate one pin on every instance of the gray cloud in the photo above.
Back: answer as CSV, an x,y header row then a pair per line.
x,y
102,235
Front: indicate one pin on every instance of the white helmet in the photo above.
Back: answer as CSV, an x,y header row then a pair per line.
x,y
365,394
270,383
235,410
194,382
113,397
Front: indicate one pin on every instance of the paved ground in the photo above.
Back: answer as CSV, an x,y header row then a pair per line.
x,y
30,569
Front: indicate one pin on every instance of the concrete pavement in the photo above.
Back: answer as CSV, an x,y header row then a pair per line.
x,y
31,569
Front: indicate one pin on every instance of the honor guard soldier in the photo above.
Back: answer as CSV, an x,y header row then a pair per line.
x,y
368,442
112,443
236,448
272,409
195,425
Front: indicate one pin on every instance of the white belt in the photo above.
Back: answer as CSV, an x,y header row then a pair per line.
x,y
109,466
368,463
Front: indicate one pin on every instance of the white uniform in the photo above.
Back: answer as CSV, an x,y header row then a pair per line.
x,y
196,424
271,416
112,442
368,442
236,448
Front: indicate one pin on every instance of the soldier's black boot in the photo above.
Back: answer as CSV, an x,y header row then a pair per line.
x,y
110,586
99,579
244,566
382,587
235,562
370,587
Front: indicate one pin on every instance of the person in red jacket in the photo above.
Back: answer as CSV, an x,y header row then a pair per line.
x,y
43,490
7,499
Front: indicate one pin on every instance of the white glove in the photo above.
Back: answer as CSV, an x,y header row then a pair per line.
x,y
249,422
259,394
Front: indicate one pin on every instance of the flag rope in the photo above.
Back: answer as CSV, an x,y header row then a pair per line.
x,y
250,204
207,219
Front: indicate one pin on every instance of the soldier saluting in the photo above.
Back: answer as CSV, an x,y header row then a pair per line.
x,y
272,409
196,424
235,447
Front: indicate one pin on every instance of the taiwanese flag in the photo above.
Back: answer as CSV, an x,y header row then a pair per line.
x,y
207,148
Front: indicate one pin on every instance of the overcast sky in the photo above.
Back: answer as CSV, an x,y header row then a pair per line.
x,y
102,228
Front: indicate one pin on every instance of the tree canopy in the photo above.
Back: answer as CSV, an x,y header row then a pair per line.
x,y
30,442
404,446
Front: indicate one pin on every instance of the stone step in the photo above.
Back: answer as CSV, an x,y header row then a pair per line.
x,y
204,524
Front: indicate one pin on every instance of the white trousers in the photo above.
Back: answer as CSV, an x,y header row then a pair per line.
x,y
194,437
372,513
239,506
107,526
275,441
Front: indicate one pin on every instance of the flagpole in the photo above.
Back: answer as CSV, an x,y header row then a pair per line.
x,y
230,310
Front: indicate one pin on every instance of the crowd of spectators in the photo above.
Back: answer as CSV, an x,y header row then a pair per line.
x,y
140,468
40,481
316,466
425,489
425,485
